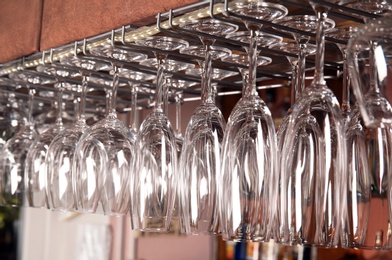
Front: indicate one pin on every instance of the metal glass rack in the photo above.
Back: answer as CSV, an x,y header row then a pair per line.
x,y
277,74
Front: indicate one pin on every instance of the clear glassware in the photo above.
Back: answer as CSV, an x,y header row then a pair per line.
x,y
168,65
135,79
115,53
369,162
35,167
45,121
345,34
155,180
12,116
109,145
368,55
59,160
313,166
13,158
216,52
297,83
200,156
97,115
216,74
369,137
249,152
178,86
379,7
307,23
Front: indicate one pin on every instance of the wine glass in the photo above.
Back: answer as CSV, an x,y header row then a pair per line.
x,y
35,168
313,166
13,158
249,146
170,66
155,180
286,212
109,145
28,77
345,34
282,130
200,155
59,160
377,7
369,160
369,137
12,115
368,56
177,88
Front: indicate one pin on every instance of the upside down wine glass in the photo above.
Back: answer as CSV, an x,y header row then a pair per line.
x,y
200,156
35,169
369,53
13,158
109,146
291,216
155,181
60,155
59,159
345,34
170,66
178,85
29,77
314,159
11,114
249,152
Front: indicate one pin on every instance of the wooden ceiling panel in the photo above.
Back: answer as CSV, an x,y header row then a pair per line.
x,y
67,21
20,23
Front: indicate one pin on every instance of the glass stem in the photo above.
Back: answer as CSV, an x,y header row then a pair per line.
x,y
178,98
166,93
107,103
76,103
252,53
372,69
134,108
82,101
30,106
320,48
59,119
160,85
206,89
346,89
301,68
112,93
294,82
245,78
